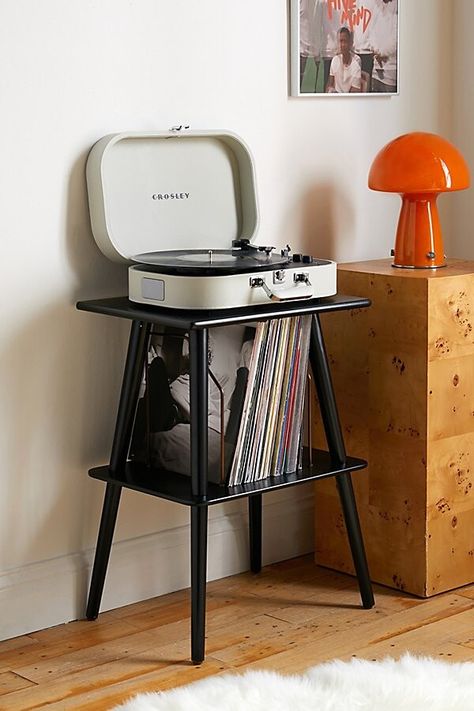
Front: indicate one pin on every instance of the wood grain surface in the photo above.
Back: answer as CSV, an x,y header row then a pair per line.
x,y
403,372
289,617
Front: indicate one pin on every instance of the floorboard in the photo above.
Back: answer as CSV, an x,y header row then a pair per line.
x,y
290,616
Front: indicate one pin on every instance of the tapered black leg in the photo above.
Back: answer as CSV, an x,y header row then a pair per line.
x,y
102,553
198,345
136,354
351,518
255,532
198,581
132,375
335,440
327,401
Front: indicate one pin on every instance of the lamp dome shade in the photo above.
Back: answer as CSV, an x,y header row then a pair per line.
x,y
419,163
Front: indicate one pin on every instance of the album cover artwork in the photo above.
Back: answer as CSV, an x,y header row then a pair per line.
x,y
161,435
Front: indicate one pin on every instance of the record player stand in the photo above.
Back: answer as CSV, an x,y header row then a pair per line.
x,y
196,492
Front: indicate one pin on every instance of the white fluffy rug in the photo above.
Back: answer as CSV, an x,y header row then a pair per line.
x,y
410,684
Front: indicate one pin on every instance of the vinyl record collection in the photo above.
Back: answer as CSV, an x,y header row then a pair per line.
x,y
257,379
269,437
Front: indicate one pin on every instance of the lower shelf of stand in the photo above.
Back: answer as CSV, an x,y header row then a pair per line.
x,y
177,487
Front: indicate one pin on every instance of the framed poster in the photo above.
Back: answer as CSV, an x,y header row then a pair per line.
x,y
344,47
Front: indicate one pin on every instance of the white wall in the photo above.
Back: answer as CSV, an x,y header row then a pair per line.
x,y
460,239
70,73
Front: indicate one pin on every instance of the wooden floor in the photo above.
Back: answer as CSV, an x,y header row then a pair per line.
x,y
290,616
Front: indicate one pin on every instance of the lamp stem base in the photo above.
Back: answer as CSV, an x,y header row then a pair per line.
x,y
419,242
408,266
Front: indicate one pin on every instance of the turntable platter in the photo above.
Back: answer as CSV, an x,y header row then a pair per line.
x,y
210,262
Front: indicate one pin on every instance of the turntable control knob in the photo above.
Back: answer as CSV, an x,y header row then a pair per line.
x,y
307,259
297,257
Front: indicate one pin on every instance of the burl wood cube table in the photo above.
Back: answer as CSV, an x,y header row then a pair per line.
x,y
403,373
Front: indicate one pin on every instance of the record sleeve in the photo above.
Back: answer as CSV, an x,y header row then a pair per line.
x,y
161,434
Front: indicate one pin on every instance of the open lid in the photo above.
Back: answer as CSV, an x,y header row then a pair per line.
x,y
170,190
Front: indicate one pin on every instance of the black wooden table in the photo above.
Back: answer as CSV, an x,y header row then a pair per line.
x,y
195,491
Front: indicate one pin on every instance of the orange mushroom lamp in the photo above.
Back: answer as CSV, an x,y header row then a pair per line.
x,y
419,166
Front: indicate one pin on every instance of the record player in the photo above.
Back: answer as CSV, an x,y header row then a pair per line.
x,y
180,207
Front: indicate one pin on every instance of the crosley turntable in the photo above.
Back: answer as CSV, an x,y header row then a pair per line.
x,y
191,196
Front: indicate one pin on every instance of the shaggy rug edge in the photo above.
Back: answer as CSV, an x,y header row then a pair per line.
x,y
409,670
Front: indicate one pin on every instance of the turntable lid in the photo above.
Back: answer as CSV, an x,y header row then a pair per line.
x,y
170,190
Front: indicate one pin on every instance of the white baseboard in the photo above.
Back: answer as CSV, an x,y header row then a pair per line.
x,y
52,592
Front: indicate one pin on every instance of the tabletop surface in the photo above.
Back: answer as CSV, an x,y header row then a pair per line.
x,y
384,267
122,307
